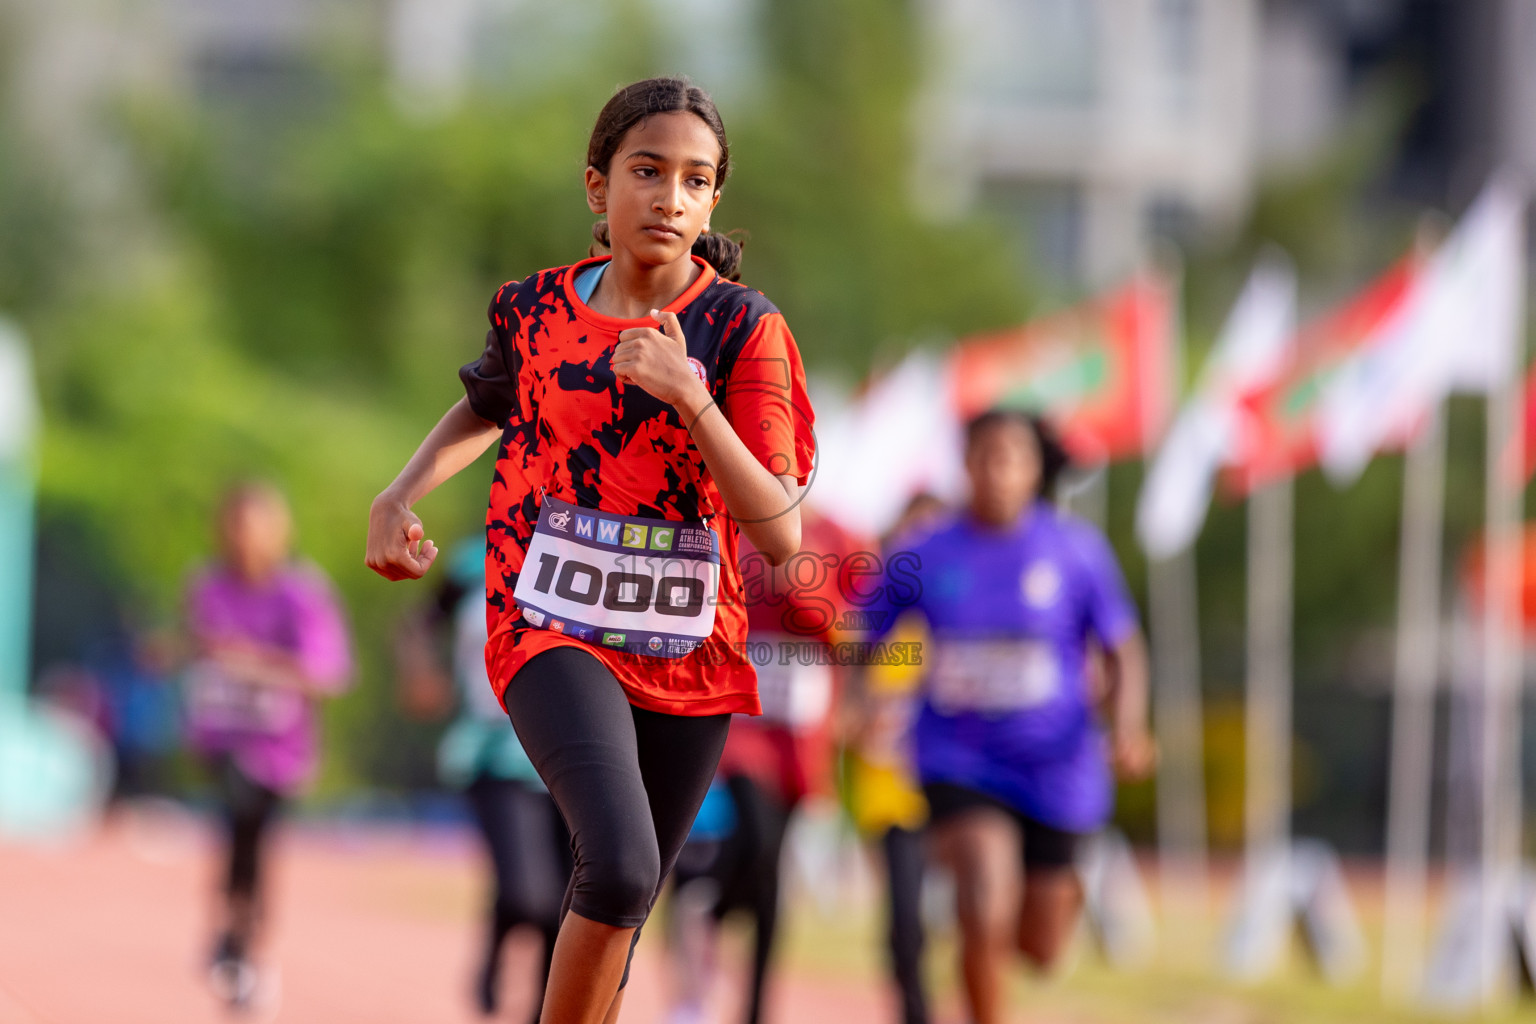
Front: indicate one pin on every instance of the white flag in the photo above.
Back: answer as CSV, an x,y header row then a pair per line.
x,y
1459,330
898,438
1250,351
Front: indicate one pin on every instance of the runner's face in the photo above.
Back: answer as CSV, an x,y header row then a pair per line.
x,y
1003,462
255,535
660,187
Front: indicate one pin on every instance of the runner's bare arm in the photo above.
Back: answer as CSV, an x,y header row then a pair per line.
x,y
424,688
1132,748
851,711
397,549
765,505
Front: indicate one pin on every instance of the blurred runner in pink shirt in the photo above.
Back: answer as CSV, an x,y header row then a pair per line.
x,y
268,639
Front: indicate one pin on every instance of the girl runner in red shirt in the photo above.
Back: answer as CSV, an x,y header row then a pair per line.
x,y
646,410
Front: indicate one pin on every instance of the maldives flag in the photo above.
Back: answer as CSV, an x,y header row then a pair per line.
x,y
1278,422
1101,371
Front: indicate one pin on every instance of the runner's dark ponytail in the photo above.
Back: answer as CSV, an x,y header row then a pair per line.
x,y
633,104
723,252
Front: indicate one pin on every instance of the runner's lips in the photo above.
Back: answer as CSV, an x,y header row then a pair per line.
x,y
662,231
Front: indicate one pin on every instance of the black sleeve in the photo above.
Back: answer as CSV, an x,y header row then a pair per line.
x,y
490,382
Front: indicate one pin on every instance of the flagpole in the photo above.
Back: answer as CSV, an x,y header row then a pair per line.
x,y
1088,496
1508,401
1501,818
1514,639
1178,722
1504,560
1415,674
1173,613
1267,724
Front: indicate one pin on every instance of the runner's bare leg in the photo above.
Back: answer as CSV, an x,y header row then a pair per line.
x,y
584,974
980,847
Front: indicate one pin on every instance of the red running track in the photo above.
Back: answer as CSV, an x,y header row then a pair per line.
x,y
365,925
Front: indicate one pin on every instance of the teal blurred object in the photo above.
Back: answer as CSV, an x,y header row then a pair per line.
x,y
53,768
54,771
18,425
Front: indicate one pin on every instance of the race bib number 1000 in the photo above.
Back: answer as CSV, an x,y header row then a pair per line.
x,y
646,586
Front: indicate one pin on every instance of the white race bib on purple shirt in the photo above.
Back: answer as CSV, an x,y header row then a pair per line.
x,y
993,676
220,703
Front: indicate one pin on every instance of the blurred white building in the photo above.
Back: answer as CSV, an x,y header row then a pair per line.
x,y
439,48
1098,125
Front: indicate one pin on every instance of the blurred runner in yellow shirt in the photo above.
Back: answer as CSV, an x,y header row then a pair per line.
x,y
882,793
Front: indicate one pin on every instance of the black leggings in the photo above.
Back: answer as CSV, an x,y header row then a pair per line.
x,y
530,857
903,851
249,809
627,781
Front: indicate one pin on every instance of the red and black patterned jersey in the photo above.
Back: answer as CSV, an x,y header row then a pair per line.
x,y
571,430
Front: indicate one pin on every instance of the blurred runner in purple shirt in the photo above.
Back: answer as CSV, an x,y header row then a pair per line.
x,y
268,638
1022,602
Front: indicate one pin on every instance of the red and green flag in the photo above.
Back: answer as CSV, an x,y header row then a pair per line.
x,y
1101,371
1278,424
